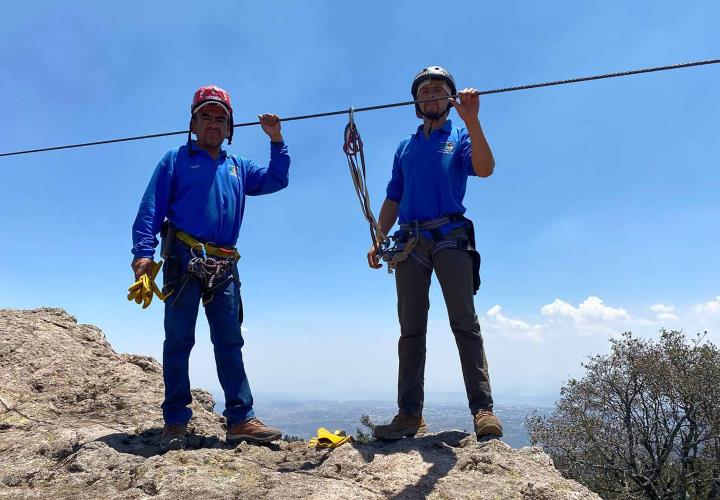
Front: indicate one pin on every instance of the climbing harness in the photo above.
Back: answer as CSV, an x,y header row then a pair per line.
x,y
208,248
212,272
433,228
327,439
213,265
399,246
353,148
144,288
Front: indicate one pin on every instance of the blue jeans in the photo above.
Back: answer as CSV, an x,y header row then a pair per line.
x,y
223,314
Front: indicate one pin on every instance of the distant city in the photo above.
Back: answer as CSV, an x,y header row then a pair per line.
x,y
302,418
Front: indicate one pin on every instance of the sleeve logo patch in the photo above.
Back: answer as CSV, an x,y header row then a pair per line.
x,y
233,170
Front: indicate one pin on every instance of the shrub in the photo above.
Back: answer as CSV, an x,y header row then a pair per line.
x,y
643,422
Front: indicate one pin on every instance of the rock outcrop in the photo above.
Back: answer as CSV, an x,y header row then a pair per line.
x,y
78,420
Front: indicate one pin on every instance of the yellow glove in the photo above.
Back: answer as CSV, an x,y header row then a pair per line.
x,y
327,439
143,289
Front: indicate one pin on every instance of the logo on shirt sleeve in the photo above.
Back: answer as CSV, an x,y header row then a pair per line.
x,y
233,170
448,148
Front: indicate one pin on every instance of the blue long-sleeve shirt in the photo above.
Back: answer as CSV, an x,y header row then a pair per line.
x,y
204,197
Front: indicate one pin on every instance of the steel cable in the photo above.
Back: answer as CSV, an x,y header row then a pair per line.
x,y
385,106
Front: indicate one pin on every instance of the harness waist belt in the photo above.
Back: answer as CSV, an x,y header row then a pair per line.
x,y
210,249
433,223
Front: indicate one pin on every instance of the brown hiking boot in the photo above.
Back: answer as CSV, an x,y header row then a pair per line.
x,y
400,427
252,430
173,437
487,425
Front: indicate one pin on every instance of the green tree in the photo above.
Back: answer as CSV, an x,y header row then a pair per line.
x,y
643,422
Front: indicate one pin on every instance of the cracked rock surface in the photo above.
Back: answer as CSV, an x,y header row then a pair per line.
x,y
78,420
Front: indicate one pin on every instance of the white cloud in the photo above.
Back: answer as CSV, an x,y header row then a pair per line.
x,y
661,308
593,317
592,311
514,328
709,308
664,313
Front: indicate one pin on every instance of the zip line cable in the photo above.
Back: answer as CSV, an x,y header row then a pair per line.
x,y
385,106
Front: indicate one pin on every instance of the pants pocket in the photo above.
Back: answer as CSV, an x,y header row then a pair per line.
x,y
172,272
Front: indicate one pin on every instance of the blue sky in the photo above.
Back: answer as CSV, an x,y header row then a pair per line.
x,y
601,216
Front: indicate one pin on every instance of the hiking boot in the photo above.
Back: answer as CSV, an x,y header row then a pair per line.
x,y
487,425
252,430
400,427
173,437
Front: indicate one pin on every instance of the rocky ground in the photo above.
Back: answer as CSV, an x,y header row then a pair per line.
x,y
78,420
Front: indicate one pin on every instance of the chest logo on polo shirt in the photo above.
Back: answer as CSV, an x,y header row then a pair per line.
x,y
233,170
447,148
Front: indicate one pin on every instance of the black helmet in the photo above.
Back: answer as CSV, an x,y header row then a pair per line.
x,y
433,72
426,74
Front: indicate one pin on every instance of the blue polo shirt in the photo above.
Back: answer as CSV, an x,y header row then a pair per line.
x,y
429,175
204,197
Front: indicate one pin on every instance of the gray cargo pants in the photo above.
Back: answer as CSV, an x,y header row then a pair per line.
x,y
454,271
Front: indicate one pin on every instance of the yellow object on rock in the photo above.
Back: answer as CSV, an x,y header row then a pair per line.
x,y
327,439
143,289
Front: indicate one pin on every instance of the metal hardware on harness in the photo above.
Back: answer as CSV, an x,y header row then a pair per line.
x,y
405,240
213,272
399,246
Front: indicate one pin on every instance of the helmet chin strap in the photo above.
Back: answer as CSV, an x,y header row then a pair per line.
x,y
434,117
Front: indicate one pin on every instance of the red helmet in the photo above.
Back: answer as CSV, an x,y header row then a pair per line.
x,y
215,95
211,93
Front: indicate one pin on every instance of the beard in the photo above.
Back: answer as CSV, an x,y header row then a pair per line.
x,y
435,114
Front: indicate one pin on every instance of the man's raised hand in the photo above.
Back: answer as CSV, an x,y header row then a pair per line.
x,y
271,126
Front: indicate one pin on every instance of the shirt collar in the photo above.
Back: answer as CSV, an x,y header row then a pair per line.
x,y
446,128
194,147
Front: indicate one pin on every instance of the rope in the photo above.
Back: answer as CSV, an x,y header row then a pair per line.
x,y
208,269
383,106
213,273
353,148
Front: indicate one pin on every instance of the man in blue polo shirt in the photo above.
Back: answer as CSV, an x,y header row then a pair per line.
x,y
426,191
196,196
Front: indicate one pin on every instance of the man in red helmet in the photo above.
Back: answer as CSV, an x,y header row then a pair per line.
x,y
426,192
196,196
